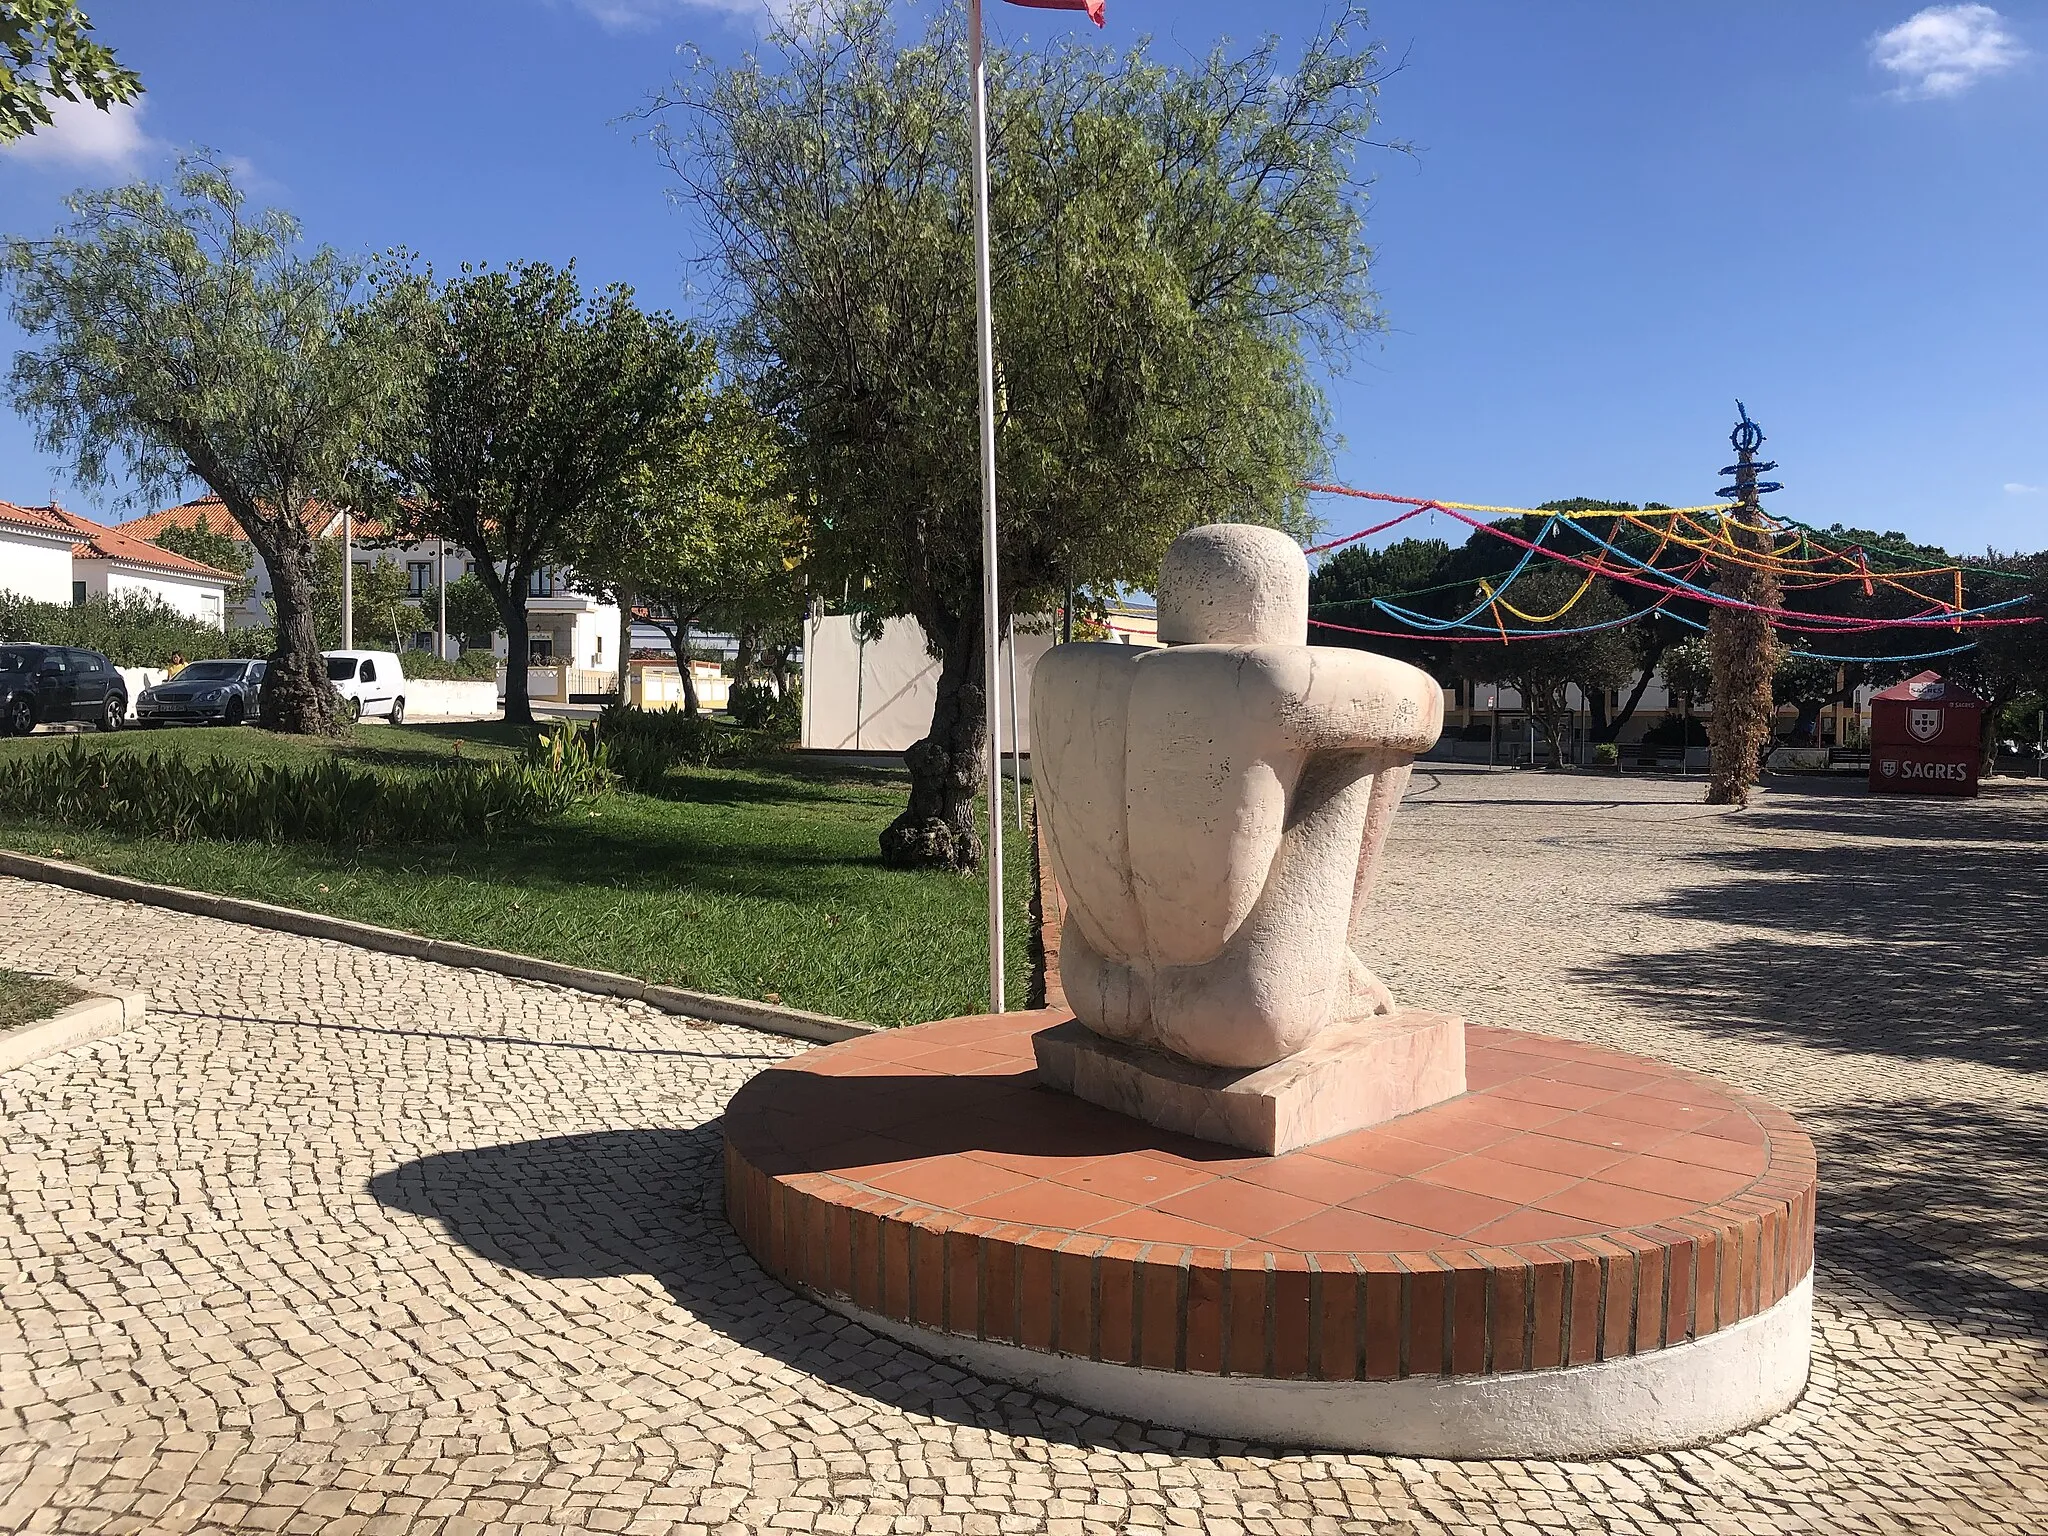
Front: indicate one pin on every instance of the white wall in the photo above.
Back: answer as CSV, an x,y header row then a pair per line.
x,y
201,600
879,697
35,568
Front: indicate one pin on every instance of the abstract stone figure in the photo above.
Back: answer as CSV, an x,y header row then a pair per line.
x,y
1215,810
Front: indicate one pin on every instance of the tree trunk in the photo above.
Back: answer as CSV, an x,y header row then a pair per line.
x,y
937,829
679,642
518,706
625,645
1610,730
1744,659
297,698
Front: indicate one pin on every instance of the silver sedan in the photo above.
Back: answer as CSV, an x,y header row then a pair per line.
x,y
204,693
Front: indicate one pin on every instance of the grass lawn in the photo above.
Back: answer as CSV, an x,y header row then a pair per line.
x,y
757,881
25,999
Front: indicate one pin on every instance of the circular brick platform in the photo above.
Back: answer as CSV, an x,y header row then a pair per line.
x,y
1577,1209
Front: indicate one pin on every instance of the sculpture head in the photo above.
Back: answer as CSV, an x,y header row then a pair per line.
x,y
1233,584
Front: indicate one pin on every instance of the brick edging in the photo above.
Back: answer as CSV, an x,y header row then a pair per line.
x,y
1048,917
712,1006
99,1014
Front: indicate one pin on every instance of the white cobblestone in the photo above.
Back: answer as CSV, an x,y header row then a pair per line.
x,y
341,1242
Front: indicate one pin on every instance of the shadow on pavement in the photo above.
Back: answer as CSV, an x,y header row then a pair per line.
x,y
650,1202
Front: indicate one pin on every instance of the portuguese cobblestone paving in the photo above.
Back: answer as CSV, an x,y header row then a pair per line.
x,y
341,1242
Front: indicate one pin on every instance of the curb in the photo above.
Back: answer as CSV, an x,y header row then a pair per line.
x,y
710,1006
91,1018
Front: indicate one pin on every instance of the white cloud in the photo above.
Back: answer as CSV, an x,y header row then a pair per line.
x,y
637,15
80,134
2014,488
1945,49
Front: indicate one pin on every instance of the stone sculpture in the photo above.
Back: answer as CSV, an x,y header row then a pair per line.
x,y
1214,812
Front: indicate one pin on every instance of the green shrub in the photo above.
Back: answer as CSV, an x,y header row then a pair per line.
x,y
473,666
643,744
148,794
758,707
1606,754
131,630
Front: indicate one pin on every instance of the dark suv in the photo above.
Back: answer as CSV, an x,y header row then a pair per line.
x,y
43,684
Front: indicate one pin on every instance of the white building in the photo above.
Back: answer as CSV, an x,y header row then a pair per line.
x,y
99,561
35,554
565,627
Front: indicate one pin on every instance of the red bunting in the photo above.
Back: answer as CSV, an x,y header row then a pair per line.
x,y
1094,8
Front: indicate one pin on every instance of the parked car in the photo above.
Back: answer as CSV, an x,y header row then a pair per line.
x,y
46,684
369,682
204,693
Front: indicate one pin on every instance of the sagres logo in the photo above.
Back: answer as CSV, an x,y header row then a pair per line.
x,y
1888,767
1923,724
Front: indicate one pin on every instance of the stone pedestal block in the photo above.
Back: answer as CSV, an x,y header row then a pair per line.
x,y
1349,1077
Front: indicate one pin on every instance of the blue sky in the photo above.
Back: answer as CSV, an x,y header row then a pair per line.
x,y
1619,218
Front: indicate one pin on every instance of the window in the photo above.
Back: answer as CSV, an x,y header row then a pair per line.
x,y
540,649
419,577
541,584
78,594
369,670
340,669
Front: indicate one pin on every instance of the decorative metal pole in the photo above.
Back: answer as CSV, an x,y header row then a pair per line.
x,y
440,599
992,681
1740,638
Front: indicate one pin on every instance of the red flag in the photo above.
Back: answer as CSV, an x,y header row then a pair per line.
x,y
1094,8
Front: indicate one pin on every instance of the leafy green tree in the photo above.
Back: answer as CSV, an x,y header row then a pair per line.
x,y
705,531
385,613
46,51
536,406
186,339
472,612
211,546
1544,670
1173,249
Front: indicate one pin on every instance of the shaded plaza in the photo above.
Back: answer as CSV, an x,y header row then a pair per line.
x,y
342,1242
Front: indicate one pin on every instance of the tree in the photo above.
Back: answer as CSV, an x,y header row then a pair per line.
x,y
1545,670
188,340
705,531
383,606
211,546
2009,661
1172,247
535,407
46,51
472,612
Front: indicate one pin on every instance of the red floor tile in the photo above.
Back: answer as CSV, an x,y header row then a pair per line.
x,y
1240,1207
1143,1225
1432,1207
1045,1204
1680,1180
1348,1231
1378,1152
1315,1178
1534,1226
1616,1206
1137,1179
1615,1135
1538,1150
1714,1152
949,1183
1483,1174
1541,1090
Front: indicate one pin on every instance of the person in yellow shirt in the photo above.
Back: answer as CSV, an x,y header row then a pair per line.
x,y
177,665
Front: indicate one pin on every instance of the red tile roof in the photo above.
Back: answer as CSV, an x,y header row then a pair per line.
x,y
320,518
95,541
36,518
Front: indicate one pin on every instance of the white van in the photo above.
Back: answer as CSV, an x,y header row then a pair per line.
x,y
370,683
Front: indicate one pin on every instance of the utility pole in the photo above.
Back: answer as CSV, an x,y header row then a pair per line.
x,y
440,599
348,581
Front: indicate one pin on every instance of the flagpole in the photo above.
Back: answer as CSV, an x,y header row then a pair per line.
x,y
991,626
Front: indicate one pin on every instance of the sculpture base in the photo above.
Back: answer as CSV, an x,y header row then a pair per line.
x,y
1350,1077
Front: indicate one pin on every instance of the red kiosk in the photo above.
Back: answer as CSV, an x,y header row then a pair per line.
x,y
1925,738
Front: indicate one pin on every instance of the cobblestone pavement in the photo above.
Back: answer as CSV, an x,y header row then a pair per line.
x,y
341,1242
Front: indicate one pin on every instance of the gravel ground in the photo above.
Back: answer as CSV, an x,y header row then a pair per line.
x,y
342,1242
